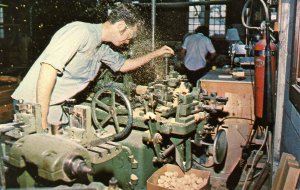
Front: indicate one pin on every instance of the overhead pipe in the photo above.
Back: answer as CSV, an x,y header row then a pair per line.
x,y
30,21
153,21
183,4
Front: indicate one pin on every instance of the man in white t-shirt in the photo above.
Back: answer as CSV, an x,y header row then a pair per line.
x,y
195,49
73,58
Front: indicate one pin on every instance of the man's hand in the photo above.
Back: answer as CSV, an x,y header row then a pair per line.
x,y
131,64
165,50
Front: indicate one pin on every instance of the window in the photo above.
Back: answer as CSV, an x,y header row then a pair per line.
x,y
295,68
216,19
196,17
1,23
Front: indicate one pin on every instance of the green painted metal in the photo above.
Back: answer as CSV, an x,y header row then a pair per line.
x,y
121,168
163,130
25,180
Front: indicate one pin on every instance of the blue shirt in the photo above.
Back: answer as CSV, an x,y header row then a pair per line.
x,y
77,53
197,46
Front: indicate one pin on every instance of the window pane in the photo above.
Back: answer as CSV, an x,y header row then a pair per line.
x,y
201,21
191,28
202,14
1,23
223,14
1,15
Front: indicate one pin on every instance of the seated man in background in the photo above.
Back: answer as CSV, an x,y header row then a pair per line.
x,y
73,58
194,50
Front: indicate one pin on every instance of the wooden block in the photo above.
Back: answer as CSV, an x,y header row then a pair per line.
x,y
280,176
238,74
276,27
8,79
292,175
225,76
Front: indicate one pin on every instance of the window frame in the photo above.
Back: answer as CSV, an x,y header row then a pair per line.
x,y
213,21
295,64
207,18
195,19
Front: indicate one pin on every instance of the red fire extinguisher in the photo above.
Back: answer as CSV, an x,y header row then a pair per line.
x,y
260,63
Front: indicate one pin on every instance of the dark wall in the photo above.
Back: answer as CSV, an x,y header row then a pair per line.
x,y
30,24
234,11
49,16
172,23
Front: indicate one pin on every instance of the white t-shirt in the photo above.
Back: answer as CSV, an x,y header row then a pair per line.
x,y
197,46
77,53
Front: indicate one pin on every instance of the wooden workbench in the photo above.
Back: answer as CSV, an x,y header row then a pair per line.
x,y
239,91
7,87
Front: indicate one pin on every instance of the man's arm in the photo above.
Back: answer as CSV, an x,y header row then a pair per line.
x,y
45,84
182,53
131,64
212,56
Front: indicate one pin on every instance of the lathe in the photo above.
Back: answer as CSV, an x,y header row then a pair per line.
x,y
121,131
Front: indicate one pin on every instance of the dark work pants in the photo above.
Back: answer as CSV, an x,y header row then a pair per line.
x,y
194,76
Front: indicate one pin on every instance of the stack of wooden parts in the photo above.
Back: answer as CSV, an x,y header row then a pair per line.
x,y
287,174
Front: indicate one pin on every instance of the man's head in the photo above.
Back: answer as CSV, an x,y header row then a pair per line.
x,y
124,12
202,29
125,22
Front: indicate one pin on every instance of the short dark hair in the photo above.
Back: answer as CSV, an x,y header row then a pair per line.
x,y
202,29
125,12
